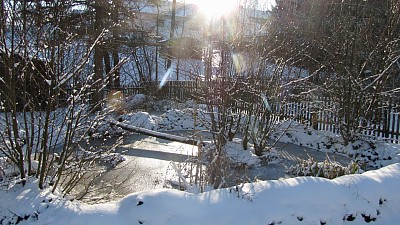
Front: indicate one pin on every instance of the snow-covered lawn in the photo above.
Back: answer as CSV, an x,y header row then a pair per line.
x,y
373,196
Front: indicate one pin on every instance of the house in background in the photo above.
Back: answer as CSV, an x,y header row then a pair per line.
x,y
199,44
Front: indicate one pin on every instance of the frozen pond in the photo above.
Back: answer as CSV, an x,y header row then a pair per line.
x,y
148,158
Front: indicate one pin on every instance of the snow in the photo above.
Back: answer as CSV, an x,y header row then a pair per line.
x,y
9,169
372,196
152,133
372,153
369,153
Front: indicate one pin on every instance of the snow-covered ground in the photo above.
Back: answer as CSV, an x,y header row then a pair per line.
x,y
373,196
353,199
369,153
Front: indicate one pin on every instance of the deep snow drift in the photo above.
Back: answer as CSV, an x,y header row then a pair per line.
x,y
353,199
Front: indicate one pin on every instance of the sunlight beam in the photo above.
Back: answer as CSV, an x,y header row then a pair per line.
x,y
165,77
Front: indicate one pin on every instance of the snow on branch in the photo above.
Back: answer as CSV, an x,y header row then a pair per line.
x,y
169,137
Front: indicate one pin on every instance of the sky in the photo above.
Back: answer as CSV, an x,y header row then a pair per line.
x,y
222,5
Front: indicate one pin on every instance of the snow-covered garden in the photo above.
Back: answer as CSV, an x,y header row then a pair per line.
x,y
371,196
193,112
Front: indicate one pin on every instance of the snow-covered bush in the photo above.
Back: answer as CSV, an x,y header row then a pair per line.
x,y
208,169
327,169
183,120
373,153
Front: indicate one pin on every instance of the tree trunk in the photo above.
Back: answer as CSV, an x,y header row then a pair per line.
x,y
97,96
156,134
172,32
116,76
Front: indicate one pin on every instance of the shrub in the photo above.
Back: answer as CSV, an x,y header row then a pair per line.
x,y
326,169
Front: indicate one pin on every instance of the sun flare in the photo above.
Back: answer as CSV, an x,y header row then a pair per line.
x,y
217,8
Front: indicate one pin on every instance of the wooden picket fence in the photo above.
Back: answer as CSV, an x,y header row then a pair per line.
x,y
179,90
383,122
320,113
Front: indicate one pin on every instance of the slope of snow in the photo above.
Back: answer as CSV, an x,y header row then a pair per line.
x,y
353,199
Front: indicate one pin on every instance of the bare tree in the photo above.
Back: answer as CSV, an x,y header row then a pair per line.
x,y
45,95
241,93
347,48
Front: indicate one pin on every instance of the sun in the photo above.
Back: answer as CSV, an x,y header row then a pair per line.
x,y
215,9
